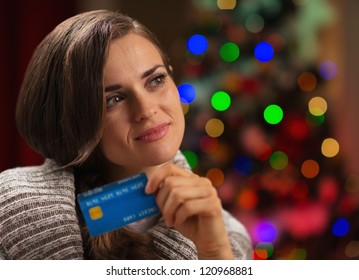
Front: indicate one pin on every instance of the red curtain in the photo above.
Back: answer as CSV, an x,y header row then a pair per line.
x,y
23,24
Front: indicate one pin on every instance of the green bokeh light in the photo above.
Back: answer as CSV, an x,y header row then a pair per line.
x,y
278,160
266,246
273,114
221,100
229,52
191,157
315,120
298,254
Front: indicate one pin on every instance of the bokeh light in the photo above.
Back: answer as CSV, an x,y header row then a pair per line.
x,y
264,52
197,44
185,108
262,138
222,155
221,101
330,147
216,176
254,23
328,190
352,249
187,93
305,219
340,227
273,114
227,191
278,160
226,4
297,128
314,121
247,199
243,165
317,106
310,168
298,254
307,81
229,52
253,140
214,127
264,152
266,231
264,250
328,69
208,144
347,204
191,157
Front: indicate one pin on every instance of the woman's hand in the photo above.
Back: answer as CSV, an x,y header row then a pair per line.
x,y
190,204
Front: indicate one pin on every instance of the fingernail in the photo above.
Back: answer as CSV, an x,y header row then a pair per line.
x,y
147,189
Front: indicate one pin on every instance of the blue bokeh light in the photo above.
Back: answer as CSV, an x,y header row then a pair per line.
x,y
243,165
264,52
340,227
187,93
197,44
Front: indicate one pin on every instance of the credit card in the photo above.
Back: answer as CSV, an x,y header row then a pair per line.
x,y
117,204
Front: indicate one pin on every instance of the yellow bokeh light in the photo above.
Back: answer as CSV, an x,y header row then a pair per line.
x,y
317,106
214,127
330,147
226,4
185,108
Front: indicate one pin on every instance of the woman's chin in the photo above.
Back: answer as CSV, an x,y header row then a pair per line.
x,y
159,158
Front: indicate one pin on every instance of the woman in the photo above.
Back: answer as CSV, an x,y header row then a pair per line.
x,y
99,103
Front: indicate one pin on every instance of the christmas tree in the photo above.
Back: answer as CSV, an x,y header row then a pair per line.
x,y
258,126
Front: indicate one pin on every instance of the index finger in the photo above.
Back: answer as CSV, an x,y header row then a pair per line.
x,y
157,177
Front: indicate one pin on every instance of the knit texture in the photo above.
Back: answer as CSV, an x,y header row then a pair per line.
x,y
38,219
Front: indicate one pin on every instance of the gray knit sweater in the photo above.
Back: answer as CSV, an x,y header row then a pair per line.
x,y
38,219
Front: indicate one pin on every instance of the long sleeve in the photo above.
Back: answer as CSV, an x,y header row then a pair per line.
x,y
238,237
2,253
37,214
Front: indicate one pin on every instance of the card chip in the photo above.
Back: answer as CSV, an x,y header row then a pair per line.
x,y
95,213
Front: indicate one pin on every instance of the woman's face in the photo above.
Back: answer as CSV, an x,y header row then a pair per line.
x,y
144,123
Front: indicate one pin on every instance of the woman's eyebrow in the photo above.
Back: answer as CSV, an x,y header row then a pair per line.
x,y
147,73
112,88
151,71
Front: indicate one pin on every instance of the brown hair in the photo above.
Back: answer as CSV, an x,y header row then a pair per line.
x,y
60,109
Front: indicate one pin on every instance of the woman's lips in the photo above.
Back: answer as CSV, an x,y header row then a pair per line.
x,y
154,133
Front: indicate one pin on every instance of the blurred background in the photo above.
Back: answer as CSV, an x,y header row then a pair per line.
x,y
270,93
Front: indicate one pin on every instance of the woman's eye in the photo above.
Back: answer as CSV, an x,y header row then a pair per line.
x,y
158,80
114,99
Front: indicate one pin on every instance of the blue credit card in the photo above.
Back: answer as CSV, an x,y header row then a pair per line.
x,y
117,204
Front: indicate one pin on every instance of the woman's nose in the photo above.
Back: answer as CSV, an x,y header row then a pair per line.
x,y
144,106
